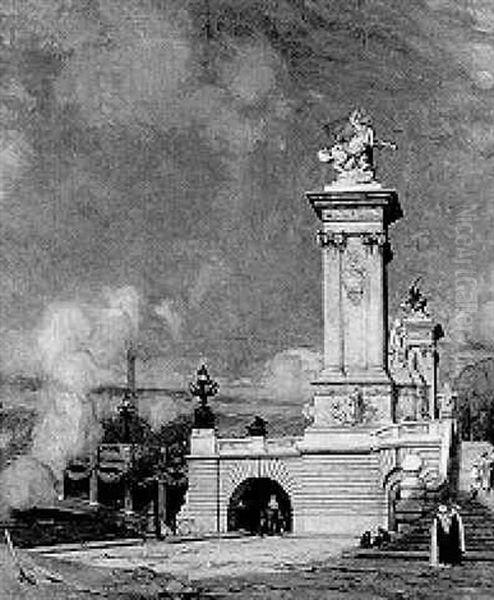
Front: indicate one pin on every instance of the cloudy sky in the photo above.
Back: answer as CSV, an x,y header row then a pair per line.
x,y
164,147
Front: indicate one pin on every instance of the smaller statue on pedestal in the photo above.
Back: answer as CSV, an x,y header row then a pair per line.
x,y
415,304
352,153
397,349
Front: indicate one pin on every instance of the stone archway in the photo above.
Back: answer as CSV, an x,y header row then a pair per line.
x,y
260,505
391,486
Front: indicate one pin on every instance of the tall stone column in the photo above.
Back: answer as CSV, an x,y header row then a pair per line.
x,y
354,386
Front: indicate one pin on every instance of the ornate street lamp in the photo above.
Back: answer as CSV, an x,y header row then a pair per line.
x,y
127,410
203,388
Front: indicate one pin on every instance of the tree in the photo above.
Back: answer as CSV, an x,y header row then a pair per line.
x,y
160,455
475,387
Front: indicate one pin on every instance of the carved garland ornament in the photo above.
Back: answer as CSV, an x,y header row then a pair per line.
x,y
354,277
348,410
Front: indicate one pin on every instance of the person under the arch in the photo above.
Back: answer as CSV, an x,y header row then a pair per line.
x,y
447,537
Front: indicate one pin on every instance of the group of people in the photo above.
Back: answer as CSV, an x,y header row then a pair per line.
x,y
482,474
375,539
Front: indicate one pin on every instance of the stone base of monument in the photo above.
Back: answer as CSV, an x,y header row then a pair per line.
x,y
352,404
340,490
337,439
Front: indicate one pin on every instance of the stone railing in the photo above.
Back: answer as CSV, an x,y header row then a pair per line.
x,y
238,445
406,429
276,445
447,442
417,435
256,445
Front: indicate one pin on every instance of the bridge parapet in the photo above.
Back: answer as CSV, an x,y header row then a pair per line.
x,y
398,432
257,445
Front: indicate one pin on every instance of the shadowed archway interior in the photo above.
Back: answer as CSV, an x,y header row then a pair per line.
x,y
251,507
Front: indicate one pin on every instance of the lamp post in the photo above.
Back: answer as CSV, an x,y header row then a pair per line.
x,y
203,388
126,410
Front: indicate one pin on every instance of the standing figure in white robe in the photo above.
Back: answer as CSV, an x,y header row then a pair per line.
x,y
447,537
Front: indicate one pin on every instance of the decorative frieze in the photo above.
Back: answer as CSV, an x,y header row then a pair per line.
x,y
350,407
376,239
338,240
334,240
355,215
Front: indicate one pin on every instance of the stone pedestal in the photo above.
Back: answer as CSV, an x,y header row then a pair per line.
x,y
411,485
203,442
413,364
354,387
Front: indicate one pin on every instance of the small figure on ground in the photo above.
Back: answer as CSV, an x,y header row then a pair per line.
x,y
263,522
366,540
273,510
447,537
382,537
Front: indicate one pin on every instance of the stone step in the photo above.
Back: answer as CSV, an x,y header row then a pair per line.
x,y
474,556
478,522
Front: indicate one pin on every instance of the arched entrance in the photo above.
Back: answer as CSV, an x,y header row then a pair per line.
x,y
260,505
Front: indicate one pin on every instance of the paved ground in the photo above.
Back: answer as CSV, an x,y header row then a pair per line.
x,y
211,558
242,569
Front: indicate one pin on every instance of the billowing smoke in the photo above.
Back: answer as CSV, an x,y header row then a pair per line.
x,y
78,345
287,377
171,313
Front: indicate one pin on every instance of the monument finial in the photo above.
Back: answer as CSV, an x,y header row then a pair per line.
x,y
352,153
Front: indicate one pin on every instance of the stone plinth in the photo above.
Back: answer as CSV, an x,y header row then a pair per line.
x,y
203,442
354,386
411,485
423,355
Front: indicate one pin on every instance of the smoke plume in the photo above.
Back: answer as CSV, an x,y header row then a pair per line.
x,y
78,345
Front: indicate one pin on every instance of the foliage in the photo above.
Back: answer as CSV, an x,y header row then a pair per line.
x,y
475,387
16,428
161,455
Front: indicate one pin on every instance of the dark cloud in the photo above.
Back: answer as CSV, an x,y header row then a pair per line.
x,y
144,144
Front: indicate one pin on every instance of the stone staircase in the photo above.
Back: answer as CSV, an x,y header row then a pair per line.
x,y
341,492
478,522
477,515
